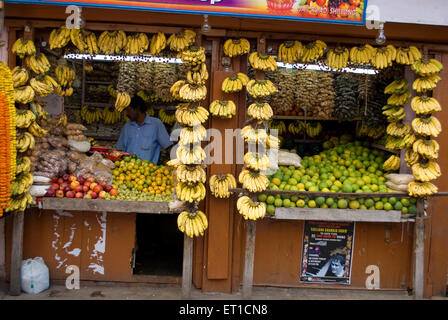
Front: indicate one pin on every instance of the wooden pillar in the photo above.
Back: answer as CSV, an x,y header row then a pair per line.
x,y
248,275
187,272
419,250
16,254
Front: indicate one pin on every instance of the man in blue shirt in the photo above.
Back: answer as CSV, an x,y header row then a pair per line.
x,y
143,136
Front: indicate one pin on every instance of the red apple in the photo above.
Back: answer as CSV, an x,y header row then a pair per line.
x,y
66,189
72,178
79,195
108,188
98,188
113,192
60,194
70,194
74,184
102,194
91,179
54,187
90,192
92,185
50,193
78,188
63,185
85,188
87,196
81,179
65,177
87,183
60,180
94,195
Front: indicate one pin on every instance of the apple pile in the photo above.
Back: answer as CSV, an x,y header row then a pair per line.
x,y
71,186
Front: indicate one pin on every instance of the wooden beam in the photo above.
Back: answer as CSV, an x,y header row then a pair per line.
x,y
419,250
16,254
249,258
187,268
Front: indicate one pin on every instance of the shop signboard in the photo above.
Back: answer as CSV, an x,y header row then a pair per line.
x,y
333,11
327,252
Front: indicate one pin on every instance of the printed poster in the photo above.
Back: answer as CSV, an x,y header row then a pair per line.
x,y
327,252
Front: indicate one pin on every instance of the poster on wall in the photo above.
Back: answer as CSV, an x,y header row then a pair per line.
x,y
327,252
333,11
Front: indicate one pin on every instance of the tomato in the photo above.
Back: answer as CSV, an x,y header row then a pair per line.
x,y
355,2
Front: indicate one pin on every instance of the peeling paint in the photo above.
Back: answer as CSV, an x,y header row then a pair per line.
x,y
99,247
72,234
96,268
75,252
64,213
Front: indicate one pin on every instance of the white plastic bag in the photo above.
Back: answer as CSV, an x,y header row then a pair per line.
x,y
35,275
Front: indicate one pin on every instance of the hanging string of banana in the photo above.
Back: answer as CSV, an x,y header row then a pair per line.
x,y
426,126
190,157
236,47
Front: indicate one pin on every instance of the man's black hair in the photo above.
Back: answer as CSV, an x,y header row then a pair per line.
x,y
139,104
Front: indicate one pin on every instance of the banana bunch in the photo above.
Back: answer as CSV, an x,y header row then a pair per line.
x,y
90,115
197,77
25,142
296,127
193,56
110,115
64,92
425,105
220,185
41,88
337,58
223,108
249,209
24,94
190,155
289,51
421,189
175,89
64,76
256,162
280,126
38,64
392,163
23,165
313,51
427,171
262,62
62,120
394,113
22,48
36,130
384,56
158,43
362,54
122,101
167,116
254,136
234,83
181,40
48,80
396,143
426,83
374,133
113,92
260,88
136,43
92,141
112,42
426,148
408,55
191,115
41,112
190,191
24,118
59,37
399,86
426,67
398,129
399,99
20,203
313,129
20,76
236,47
429,126
192,93
260,111
411,157
253,181
192,224
21,184
84,40
190,174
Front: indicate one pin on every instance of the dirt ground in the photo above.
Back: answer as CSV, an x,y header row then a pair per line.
x,y
112,291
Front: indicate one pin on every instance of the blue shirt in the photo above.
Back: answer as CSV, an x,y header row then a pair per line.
x,y
146,140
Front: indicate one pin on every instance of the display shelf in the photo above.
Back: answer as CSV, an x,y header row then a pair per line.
x,y
70,204
327,214
99,82
332,194
98,104
276,117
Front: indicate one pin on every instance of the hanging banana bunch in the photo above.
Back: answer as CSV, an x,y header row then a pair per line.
x,y
362,54
84,40
110,116
158,43
262,62
38,63
223,109
236,47
112,42
290,51
408,55
167,116
23,48
260,88
313,51
181,40
193,56
136,43
337,58
235,83
90,115
384,57
59,38
20,76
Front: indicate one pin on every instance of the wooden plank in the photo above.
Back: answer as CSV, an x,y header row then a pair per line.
x,y
249,258
16,254
333,194
187,267
419,251
106,205
327,214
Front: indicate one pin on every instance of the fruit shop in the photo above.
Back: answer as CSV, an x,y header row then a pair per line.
x,y
340,152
